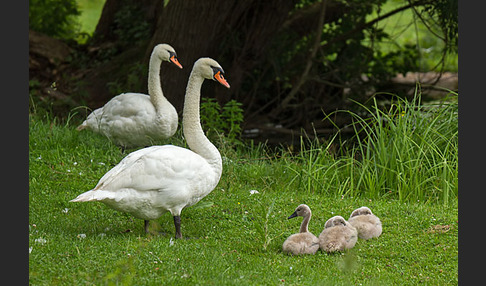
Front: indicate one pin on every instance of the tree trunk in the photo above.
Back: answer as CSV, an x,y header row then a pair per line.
x,y
234,33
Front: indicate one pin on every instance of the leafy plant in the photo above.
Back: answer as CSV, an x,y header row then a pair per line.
x,y
225,121
132,82
55,18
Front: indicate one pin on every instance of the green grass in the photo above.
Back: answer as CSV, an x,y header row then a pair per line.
x,y
235,238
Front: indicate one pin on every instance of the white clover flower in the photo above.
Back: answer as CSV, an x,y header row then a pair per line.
x,y
40,240
252,192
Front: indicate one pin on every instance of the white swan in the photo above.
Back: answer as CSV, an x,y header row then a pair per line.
x,y
303,242
136,119
366,223
338,235
153,180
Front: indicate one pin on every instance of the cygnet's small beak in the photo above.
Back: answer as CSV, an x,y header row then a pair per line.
x,y
175,61
292,215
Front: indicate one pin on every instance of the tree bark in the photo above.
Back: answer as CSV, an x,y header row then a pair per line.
x,y
234,33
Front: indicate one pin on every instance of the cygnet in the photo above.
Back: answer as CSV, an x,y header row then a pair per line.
x,y
366,223
303,242
338,235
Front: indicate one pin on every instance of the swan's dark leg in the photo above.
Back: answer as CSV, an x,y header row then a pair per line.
x,y
177,223
146,226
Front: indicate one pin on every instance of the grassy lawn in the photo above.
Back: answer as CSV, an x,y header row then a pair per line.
x,y
233,237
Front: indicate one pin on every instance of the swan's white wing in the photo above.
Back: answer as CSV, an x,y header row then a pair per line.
x,y
163,169
124,166
127,105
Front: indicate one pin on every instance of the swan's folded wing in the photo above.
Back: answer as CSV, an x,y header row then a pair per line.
x,y
155,168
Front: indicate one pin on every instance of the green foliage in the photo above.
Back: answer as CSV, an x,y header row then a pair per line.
x,y
133,80
445,12
224,121
407,152
55,18
411,150
355,58
130,23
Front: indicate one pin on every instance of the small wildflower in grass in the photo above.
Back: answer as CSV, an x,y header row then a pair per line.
x,y
81,235
252,192
40,240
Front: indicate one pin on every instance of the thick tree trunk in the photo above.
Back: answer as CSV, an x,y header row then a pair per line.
x,y
234,33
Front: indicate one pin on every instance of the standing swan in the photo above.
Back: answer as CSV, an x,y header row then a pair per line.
x,y
151,181
303,242
136,119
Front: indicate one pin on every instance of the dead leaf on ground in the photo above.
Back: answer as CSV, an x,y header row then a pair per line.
x,y
439,228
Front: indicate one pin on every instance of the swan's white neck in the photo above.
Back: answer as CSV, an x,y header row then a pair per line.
x,y
154,87
191,124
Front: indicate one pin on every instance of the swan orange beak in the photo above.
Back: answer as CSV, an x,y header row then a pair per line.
x,y
175,61
219,77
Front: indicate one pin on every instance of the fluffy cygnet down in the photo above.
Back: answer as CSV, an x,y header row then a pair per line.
x,y
366,223
338,235
303,242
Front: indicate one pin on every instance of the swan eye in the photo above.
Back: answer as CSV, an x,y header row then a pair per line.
x,y
218,75
216,70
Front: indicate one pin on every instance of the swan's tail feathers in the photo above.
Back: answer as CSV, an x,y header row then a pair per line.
x,y
94,195
84,197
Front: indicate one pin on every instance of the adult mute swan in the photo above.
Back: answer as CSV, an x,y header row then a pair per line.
x,y
135,119
303,242
338,235
153,180
366,223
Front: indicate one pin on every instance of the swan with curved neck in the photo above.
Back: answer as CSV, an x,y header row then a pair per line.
x,y
158,179
303,242
135,119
